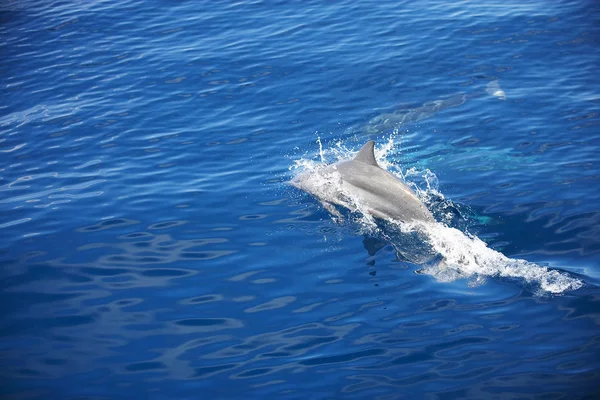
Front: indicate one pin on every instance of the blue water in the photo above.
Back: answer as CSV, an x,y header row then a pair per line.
x,y
151,246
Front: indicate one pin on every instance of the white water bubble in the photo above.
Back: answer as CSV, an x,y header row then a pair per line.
x,y
470,257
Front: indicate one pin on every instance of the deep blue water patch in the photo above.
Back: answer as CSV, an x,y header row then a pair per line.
x,y
151,246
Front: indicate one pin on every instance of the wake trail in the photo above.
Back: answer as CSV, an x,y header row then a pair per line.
x,y
466,256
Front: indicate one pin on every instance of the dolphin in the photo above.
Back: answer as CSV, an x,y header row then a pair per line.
x,y
446,253
360,183
407,115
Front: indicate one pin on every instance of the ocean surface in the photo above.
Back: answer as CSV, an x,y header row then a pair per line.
x,y
152,246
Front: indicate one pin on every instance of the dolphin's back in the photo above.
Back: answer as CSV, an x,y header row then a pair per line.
x,y
383,194
369,186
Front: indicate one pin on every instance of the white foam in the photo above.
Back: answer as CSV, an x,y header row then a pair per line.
x,y
467,256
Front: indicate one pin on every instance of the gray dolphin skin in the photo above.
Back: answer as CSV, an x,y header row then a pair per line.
x,y
362,180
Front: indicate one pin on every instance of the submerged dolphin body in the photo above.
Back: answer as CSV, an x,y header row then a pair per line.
x,y
362,183
407,115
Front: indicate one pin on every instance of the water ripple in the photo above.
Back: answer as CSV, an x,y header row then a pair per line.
x,y
150,245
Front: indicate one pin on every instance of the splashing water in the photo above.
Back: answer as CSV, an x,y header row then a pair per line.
x,y
463,255
467,256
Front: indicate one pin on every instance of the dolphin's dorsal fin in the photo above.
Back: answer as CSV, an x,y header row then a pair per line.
x,y
366,155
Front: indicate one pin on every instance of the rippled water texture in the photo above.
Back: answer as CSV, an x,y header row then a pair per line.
x,y
151,246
